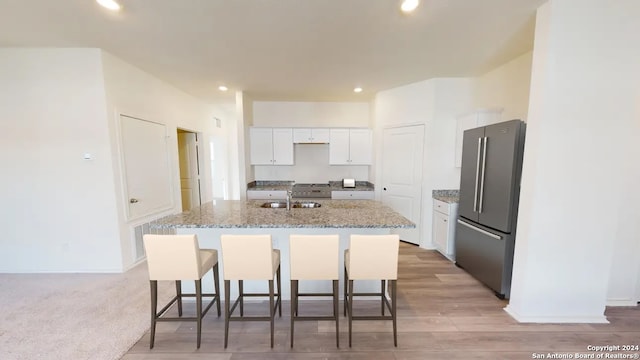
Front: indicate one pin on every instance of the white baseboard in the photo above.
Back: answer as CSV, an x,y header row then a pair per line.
x,y
596,319
131,266
621,302
79,271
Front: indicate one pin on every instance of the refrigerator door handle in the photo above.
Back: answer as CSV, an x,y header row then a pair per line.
x,y
485,141
497,237
475,190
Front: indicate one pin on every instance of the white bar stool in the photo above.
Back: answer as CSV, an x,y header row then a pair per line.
x,y
372,257
314,257
249,257
176,258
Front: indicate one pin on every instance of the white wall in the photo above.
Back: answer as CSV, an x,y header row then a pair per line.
x,y
59,211
311,161
579,190
437,103
311,114
133,92
506,87
66,214
225,162
434,103
246,173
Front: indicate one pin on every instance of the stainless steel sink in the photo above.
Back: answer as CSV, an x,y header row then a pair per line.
x,y
305,204
294,204
274,205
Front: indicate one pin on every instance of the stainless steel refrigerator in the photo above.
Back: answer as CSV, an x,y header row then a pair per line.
x,y
488,209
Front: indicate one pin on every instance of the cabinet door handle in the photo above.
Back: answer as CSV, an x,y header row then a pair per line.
x,y
484,166
497,237
475,192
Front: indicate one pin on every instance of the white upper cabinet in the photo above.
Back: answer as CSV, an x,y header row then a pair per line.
x,y
473,120
310,136
350,147
271,146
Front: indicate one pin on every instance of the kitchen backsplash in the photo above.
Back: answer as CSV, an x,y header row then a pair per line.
x,y
312,166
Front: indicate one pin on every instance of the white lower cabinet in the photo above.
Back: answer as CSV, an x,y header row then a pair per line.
x,y
444,227
352,195
266,194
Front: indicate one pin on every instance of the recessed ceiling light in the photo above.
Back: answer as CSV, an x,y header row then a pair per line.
x,y
409,5
109,4
357,90
223,88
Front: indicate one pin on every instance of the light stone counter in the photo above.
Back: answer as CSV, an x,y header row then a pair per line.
x,y
249,214
340,217
448,196
360,186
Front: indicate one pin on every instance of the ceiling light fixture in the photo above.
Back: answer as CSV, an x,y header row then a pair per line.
x,y
357,90
109,4
409,5
223,88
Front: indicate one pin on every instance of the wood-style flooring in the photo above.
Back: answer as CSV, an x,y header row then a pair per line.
x,y
443,313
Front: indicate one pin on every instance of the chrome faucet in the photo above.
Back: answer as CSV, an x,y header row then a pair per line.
x,y
289,192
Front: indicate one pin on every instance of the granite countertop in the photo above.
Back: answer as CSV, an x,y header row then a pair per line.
x,y
249,214
270,185
276,185
448,196
360,186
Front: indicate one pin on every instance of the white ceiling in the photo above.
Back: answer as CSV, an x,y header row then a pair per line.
x,y
305,50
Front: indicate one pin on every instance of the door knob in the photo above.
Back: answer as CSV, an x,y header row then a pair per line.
x,y
133,201
385,189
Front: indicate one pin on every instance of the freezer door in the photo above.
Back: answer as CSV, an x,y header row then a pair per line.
x,y
499,175
483,254
470,173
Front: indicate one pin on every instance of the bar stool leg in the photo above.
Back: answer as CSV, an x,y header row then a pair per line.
x,y
179,294
279,303
199,310
294,293
216,284
350,309
227,299
241,292
346,281
394,291
272,312
382,293
154,308
336,288
295,304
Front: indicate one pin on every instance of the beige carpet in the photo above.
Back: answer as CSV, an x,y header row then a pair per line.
x,y
74,316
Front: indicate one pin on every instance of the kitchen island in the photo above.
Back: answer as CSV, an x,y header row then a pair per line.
x,y
342,217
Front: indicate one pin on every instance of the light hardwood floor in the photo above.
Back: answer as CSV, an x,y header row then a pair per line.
x,y
443,313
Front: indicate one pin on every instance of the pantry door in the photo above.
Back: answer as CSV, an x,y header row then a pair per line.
x,y
188,155
147,174
402,154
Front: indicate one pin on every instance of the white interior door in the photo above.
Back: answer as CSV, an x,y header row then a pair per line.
x,y
402,154
189,169
146,167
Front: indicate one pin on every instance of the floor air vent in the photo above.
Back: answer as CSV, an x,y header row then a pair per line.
x,y
145,228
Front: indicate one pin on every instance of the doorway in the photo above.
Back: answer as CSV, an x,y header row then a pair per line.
x,y
189,163
402,155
